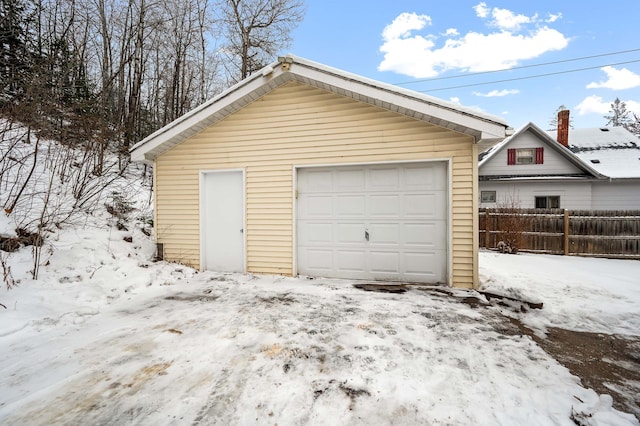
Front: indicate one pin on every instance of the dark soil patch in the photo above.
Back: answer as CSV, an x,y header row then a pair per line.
x,y
191,298
608,364
281,299
22,238
382,288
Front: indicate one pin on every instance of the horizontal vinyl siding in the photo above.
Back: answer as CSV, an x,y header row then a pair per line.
x,y
616,195
298,125
573,195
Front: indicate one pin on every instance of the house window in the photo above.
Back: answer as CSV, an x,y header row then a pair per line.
x,y
525,156
488,196
548,202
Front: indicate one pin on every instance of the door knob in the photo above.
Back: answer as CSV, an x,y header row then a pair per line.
x,y
366,235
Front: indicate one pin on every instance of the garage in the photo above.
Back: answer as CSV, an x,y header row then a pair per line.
x,y
373,222
342,176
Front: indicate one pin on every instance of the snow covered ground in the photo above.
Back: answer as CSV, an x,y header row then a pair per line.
x,y
579,293
106,336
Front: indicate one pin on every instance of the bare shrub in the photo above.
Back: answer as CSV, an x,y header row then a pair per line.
x,y
511,225
45,184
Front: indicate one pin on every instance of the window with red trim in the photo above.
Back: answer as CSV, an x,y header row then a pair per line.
x,y
525,156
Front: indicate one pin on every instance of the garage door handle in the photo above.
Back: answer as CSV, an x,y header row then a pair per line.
x,y
366,235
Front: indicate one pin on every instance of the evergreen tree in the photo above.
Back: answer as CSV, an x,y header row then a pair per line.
x,y
14,55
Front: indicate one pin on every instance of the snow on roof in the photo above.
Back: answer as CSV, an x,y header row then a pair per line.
x,y
612,151
614,163
485,155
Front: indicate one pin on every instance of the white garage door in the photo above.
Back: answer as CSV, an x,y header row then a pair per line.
x,y
377,222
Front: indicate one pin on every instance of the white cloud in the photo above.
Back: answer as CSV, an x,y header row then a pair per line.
x,y
553,18
482,11
596,105
455,100
617,79
505,19
414,56
497,93
402,26
451,32
408,52
593,104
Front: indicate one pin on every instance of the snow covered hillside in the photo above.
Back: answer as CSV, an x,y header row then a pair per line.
x,y
105,335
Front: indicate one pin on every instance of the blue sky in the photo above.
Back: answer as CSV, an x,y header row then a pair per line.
x,y
427,45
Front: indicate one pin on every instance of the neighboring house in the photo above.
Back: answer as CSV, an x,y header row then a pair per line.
x,y
303,169
536,169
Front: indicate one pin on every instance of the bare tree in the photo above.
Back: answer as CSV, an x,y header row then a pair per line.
x,y
553,122
256,30
618,114
634,125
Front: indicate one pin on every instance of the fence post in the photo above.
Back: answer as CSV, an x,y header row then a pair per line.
x,y
486,228
566,232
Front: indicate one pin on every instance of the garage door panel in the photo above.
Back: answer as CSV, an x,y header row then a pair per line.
x,y
402,207
317,180
387,205
425,235
350,261
317,233
350,180
417,177
319,260
384,233
384,179
415,262
424,206
350,206
350,233
384,262
316,206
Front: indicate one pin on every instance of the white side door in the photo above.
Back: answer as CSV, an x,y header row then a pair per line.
x,y
222,221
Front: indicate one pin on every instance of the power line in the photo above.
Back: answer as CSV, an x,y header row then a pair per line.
x,y
528,77
518,68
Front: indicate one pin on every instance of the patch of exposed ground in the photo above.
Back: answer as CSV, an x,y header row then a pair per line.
x,y
608,364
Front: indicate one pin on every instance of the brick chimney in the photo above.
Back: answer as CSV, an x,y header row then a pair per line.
x,y
563,127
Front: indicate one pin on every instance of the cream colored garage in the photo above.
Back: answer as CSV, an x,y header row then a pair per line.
x,y
296,115
379,221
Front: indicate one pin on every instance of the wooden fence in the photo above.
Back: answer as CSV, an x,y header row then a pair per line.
x,y
603,233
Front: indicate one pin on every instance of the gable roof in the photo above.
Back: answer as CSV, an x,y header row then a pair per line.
x,y
545,138
612,151
483,127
